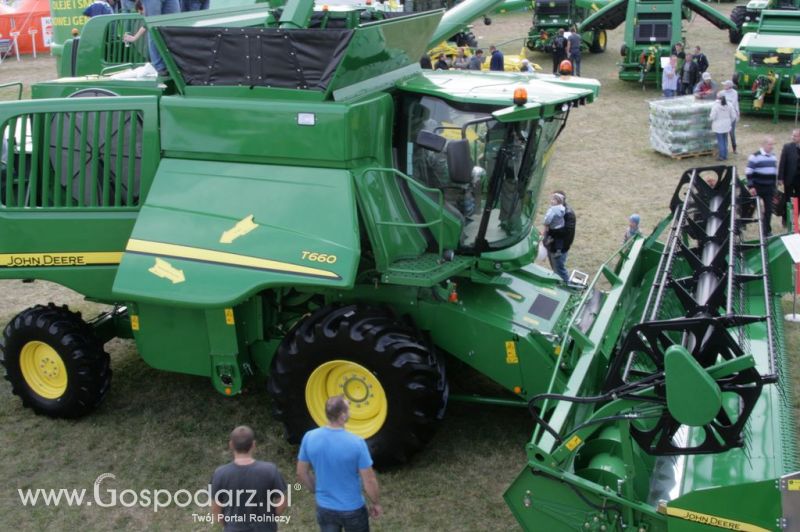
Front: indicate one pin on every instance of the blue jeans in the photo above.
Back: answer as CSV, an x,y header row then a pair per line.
x,y
558,262
575,59
722,145
336,521
733,135
669,93
151,9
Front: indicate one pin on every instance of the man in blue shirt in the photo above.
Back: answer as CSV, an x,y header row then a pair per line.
x,y
496,63
341,463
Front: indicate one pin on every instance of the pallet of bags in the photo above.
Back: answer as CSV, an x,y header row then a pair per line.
x,y
680,127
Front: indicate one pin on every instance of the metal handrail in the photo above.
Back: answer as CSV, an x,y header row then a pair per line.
x,y
17,84
415,183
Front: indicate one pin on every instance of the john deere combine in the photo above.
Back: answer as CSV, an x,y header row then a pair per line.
x,y
652,28
748,16
551,15
767,64
299,203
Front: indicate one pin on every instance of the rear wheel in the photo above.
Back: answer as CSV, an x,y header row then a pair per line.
x,y
395,385
599,42
737,17
54,362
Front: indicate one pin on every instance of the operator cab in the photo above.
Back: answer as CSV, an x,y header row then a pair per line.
x,y
483,168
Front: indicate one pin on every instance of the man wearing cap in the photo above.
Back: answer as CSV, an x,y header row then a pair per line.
x,y
706,89
732,97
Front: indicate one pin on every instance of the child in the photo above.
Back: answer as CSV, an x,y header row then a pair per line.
x,y
633,227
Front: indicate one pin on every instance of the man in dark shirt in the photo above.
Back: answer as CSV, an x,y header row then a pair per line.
x,y
700,59
678,52
247,494
496,63
574,50
789,168
441,63
689,75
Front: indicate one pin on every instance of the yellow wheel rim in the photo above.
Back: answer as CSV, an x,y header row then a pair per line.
x,y
43,370
368,405
601,39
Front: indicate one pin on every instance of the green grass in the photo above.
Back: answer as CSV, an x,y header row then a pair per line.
x,y
162,430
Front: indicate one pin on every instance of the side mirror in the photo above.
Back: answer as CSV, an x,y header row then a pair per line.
x,y
430,141
459,162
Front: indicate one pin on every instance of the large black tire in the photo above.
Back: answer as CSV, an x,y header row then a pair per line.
x,y
63,347
410,374
599,42
737,17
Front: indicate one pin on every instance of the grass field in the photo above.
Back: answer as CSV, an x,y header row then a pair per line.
x,y
160,430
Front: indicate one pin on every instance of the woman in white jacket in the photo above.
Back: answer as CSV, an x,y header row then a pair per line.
x,y
722,117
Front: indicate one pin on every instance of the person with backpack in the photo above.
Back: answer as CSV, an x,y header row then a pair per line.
x,y
559,232
559,49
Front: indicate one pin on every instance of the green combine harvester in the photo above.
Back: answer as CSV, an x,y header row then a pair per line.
x,y
747,17
386,233
767,64
551,15
652,28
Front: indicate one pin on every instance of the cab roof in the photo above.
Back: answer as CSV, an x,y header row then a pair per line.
x,y
546,93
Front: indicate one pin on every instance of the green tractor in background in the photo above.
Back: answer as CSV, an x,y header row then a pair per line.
x,y
551,15
382,239
747,17
767,64
652,28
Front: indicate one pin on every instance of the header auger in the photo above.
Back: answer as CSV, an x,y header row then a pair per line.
x,y
691,405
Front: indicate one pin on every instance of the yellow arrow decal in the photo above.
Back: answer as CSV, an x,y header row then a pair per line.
x,y
220,257
165,270
241,228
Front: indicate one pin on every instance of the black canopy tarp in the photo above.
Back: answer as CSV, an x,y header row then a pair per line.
x,y
266,57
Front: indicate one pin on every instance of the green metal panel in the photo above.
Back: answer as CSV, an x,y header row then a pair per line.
x,y
66,179
172,339
340,135
260,226
66,87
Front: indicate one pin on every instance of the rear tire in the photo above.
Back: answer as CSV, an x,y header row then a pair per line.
x,y
737,17
360,350
599,42
54,362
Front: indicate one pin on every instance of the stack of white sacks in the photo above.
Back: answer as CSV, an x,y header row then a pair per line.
x,y
681,126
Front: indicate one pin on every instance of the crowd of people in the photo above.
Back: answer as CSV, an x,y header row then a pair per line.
x,y
144,7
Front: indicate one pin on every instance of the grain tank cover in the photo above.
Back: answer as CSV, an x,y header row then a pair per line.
x,y
338,63
273,57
